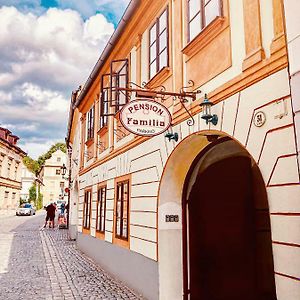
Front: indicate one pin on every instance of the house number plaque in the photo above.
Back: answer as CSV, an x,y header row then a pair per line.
x,y
259,119
172,218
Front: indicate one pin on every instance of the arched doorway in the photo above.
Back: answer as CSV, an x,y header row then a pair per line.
x,y
226,227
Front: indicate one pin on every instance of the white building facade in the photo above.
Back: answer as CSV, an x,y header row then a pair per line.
x,y
54,184
10,171
27,180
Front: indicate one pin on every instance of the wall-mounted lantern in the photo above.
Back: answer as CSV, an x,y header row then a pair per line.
x,y
63,170
172,136
206,111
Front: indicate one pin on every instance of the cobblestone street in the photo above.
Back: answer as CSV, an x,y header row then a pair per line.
x,y
44,264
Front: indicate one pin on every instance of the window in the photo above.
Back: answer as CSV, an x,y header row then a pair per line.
x,y
13,196
1,163
119,79
200,14
101,207
158,52
103,102
8,167
57,171
90,123
58,159
16,170
87,209
122,207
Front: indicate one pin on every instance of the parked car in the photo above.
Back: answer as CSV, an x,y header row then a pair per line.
x,y
25,209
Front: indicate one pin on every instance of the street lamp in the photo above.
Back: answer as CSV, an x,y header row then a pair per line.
x,y
67,190
63,170
206,111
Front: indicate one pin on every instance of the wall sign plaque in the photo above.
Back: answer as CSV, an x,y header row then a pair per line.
x,y
259,119
145,117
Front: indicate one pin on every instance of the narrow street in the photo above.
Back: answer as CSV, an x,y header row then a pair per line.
x,y
44,264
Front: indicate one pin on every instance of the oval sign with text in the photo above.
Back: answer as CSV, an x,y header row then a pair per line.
x,y
145,117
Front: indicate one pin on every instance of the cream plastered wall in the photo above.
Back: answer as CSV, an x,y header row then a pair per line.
x,y
51,181
10,180
74,163
291,8
273,147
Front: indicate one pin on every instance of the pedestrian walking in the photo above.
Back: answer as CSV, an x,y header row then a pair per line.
x,y
50,216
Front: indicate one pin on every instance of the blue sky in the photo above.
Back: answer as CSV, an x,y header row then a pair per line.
x,y
47,49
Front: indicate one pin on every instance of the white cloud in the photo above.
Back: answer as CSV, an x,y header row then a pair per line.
x,y
5,97
35,149
88,8
57,48
42,59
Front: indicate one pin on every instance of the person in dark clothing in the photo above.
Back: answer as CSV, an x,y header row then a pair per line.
x,y
62,208
50,216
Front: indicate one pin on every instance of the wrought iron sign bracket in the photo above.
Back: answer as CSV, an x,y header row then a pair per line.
x,y
159,92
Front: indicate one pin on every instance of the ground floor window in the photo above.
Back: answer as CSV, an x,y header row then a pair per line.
x,y
122,209
101,207
87,209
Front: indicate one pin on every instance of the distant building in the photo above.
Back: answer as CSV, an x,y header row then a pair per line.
x,y
54,184
10,171
27,180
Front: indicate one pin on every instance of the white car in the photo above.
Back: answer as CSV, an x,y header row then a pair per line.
x,y
25,209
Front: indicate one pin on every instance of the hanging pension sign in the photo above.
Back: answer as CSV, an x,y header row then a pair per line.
x,y
145,117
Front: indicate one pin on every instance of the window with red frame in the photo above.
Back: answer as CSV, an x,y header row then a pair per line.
x,y
122,210
90,123
104,101
200,14
159,46
87,209
101,207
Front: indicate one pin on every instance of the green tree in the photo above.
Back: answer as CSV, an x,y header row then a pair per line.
x,y
32,193
39,203
35,165
31,164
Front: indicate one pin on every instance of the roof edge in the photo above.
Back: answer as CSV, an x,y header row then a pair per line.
x,y
130,10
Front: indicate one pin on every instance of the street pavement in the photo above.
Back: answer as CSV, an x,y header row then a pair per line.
x,y
37,264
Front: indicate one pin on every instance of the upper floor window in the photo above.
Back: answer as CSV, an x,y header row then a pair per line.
x,y
158,52
200,14
104,102
122,210
57,172
58,159
16,170
101,206
90,123
1,162
9,167
87,209
119,79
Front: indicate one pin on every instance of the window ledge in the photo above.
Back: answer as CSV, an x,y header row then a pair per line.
x,y
102,130
121,242
204,37
86,230
89,142
159,77
100,234
117,114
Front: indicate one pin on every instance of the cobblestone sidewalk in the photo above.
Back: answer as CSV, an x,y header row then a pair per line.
x,y
75,276
38,264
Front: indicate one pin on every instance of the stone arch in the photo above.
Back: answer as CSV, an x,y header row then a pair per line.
x,y
184,159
